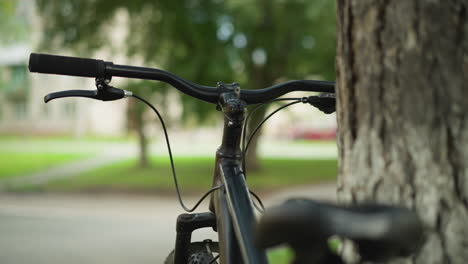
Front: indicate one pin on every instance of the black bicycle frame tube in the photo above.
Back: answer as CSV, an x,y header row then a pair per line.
x,y
228,246
232,204
241,210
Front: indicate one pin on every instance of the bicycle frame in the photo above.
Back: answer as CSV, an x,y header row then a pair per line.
x,y
233,215
231,209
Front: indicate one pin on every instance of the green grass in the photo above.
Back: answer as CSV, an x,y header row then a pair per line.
x,y
14,164
194,174
282,255
63,138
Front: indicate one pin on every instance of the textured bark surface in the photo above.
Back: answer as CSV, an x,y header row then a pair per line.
x,y
403,114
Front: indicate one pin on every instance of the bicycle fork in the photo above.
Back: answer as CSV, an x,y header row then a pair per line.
x,y
186,224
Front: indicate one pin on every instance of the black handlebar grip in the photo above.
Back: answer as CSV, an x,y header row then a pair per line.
x,y
53,64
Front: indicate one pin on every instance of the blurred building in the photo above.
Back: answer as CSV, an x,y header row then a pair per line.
x,y
22,109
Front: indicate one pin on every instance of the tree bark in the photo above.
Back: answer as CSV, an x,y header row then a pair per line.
x,y
136,122
142,141
260,77
252,157
402,69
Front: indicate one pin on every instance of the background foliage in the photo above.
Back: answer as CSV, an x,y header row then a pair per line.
x,y
204,41
256,43
13,27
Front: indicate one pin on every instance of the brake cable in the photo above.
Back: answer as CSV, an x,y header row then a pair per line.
x,y
257,107
260,207
312,100
244,148
179,196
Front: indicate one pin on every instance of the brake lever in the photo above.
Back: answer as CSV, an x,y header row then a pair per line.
x,y
325,102
103,93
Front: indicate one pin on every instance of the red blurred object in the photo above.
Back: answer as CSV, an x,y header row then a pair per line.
x,y
311,134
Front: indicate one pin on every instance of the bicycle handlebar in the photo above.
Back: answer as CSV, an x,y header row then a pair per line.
x,y
63,65
54,64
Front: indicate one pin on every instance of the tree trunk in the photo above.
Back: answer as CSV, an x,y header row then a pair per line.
x,y
142,141
252,157
136,122
402,113
260,77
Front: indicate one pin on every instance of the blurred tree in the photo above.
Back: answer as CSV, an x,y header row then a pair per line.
x,y
13,26
253,42
135,116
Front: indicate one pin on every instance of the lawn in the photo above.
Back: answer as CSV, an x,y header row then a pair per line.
x,y
194,174
14,164
280,255
62,138
284,254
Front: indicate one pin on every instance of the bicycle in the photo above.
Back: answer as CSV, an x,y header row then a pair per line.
x,y
380,231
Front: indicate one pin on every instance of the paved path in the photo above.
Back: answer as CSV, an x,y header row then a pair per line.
x,y
101,229
62,171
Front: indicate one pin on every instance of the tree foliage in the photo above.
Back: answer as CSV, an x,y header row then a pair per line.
x,y
253,42
13,26
205,41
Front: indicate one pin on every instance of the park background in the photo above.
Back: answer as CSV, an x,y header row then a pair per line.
x,y
119,146
105,164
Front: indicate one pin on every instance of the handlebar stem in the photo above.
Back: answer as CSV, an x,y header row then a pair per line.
x,y
234,112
